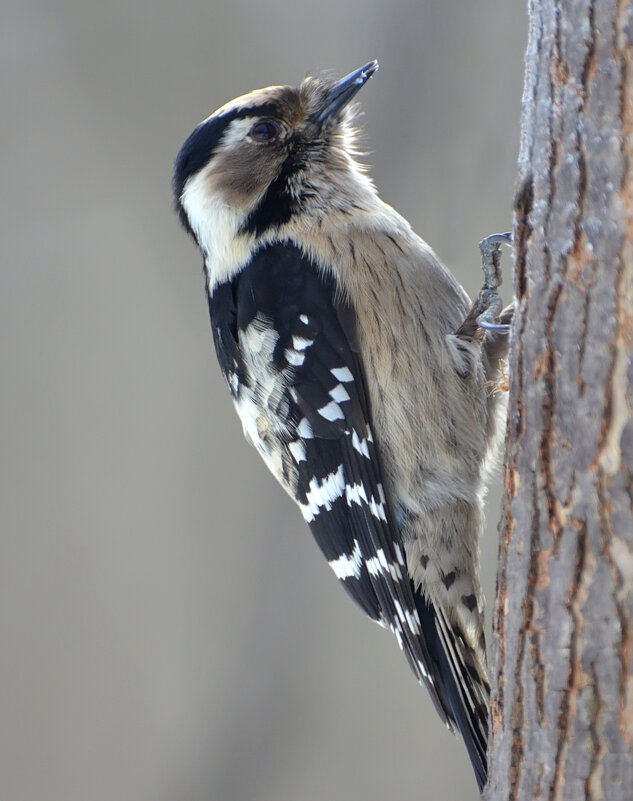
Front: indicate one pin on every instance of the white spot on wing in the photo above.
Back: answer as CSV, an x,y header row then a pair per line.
x,y
360,444
233,382
304,318
259,337
294,357
373,566
424,672
304,429
398,633
346,566
298,451
342,374
377,509
413,621
322,494
339,394
331,412
248,413
378,564
301,343
355,493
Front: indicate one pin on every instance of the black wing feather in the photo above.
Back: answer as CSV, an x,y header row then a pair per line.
x,y
340,483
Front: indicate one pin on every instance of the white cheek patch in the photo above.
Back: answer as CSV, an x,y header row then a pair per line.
x,y
216,226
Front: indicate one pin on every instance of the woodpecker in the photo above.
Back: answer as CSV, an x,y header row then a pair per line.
x,y
359,370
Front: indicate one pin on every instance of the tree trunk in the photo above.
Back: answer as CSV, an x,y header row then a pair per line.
x,y
562,713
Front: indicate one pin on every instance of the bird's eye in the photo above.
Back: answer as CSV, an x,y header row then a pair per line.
x,y
264,131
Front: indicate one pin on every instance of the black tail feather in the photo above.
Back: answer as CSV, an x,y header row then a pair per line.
x,y
455,687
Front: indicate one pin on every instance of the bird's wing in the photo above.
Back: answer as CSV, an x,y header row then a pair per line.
x,y
284,311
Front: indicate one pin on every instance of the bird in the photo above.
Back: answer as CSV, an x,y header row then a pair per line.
x,y
358,368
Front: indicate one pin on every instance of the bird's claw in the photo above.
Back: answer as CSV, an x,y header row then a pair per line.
x,y
489,300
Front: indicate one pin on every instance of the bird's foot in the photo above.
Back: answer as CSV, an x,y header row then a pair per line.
x,y
488,302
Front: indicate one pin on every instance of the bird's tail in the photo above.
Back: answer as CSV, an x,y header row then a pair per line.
x,y
460,678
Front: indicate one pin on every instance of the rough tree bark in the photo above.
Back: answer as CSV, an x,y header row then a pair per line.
x,y
562,715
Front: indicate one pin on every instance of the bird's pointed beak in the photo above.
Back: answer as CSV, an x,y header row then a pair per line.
x,y
340,94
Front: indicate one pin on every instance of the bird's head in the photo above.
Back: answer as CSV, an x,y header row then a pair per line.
x,y
270,155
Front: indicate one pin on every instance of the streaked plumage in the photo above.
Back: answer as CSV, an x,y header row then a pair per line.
x,y
356,370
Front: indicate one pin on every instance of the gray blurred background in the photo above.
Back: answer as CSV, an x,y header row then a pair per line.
x,y
168,629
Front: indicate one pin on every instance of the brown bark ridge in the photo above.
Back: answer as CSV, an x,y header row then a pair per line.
x,y
562,711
